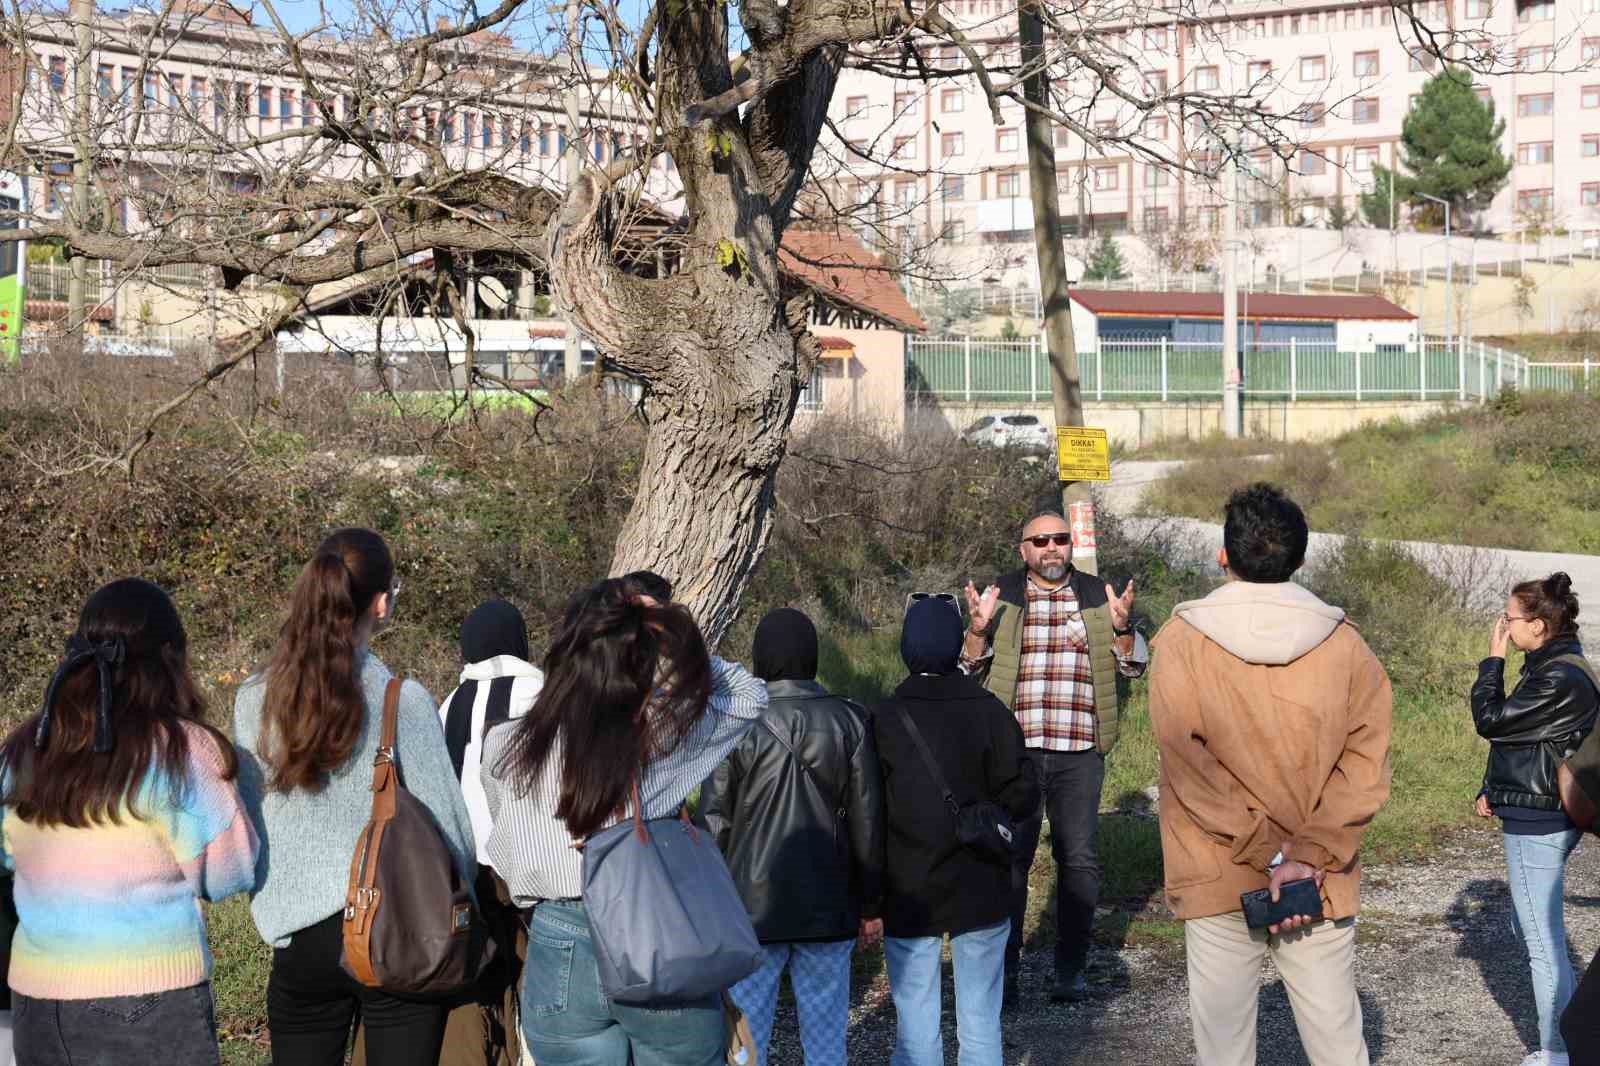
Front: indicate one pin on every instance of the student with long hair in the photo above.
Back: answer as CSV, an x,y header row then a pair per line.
x,y
631,698
120,812
308,726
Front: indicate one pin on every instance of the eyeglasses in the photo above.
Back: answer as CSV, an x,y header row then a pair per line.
x,y
1060,540
1509,618
943,597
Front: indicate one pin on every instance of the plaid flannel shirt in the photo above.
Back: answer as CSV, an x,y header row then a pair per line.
x,y
1054,700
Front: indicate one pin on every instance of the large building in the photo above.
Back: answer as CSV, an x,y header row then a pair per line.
x,y
1342,75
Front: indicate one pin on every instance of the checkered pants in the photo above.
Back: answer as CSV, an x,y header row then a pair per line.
x,y
819,973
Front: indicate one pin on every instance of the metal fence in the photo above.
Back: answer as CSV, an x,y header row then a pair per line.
x,y
989,369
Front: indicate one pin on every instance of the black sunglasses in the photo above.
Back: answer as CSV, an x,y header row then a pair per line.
x,y
1060,540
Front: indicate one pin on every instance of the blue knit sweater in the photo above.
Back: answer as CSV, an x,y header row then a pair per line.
x,y
308,838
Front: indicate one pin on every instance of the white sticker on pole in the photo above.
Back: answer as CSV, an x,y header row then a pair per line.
x,y
1080,517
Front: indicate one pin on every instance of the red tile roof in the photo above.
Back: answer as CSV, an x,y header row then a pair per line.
x,y
836,343
840,267
1255,305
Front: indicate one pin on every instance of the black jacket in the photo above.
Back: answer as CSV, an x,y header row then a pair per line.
x,y
798,813
933,885
1530,732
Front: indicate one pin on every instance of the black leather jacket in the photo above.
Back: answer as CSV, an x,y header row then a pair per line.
x,y
797,809
1530,732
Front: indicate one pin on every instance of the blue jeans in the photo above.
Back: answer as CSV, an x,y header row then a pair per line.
x,y
916,981
1536,868
819,974
568,1021
176,1028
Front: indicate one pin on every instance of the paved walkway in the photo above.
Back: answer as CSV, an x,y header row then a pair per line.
x,y
1490,570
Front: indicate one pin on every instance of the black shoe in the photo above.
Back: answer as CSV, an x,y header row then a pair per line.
x,y
1011,996
1073,989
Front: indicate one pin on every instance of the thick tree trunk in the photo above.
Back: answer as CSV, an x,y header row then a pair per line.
x,y
704,508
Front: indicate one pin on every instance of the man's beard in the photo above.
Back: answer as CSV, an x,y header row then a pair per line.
x,y
1052,571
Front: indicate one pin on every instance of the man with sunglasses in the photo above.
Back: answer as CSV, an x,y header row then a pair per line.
x,y
1051,641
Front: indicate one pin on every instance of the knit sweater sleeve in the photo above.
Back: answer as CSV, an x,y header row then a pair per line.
x,y
212,836
428,775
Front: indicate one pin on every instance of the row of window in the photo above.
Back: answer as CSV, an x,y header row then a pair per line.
x,y
232,102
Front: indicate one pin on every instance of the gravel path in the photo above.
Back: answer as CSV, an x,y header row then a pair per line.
x,y
1442,978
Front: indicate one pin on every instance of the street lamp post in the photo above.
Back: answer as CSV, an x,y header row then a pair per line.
x,y
1449,272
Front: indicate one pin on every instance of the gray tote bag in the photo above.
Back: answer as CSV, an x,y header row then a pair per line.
x,y
666,919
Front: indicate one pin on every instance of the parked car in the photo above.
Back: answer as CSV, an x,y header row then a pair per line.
x,y
1012,430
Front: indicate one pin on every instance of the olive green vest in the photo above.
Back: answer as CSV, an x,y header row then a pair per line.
x,y
1007,663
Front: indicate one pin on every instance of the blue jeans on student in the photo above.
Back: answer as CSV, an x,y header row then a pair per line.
x,y
819,974
1535,869
568,1021
176,1028
916,983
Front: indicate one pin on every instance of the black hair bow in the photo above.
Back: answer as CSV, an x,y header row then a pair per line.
x,y
107,656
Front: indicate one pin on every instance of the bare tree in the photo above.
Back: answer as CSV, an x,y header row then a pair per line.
x,y
291,162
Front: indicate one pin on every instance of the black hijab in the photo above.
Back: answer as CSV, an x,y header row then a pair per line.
x,y
785,647
493,628
930,643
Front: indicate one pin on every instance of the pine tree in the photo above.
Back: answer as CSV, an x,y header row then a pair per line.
x,y
1451,146
1105,264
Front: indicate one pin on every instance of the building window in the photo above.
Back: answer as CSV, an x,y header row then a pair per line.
x,y
954,189
1206,80
58,74
855,106
1420,59
1479,9
1591,49
1155,178
286,104
1367,18
1537,58
952,144
1536,10
1364,158
1314,115
1589,195
1062,136
1591,147
1590,97
1105,178
952,100
1534,152
1259,70
905,193
1005,140
1312,162
1008,186
1535,104
1535,200
1365,110
954,230
1155,81
469,126
1261,213
264,101
1365,64
905,103
1313,68
486,134
1155,127
904,148
1155,219
1155,37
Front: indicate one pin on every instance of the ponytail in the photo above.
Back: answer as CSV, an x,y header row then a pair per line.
x,y
1552,601
314,709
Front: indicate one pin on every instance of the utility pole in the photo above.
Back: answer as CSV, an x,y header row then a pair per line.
x,y
1232,420
1066,388
78,285
573,364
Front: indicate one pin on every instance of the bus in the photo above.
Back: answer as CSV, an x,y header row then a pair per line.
x,y
13,267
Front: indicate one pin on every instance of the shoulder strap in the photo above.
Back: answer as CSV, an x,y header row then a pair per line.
x,y
385,770
927,758
1582,664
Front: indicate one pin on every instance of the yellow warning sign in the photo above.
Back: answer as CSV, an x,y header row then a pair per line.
x,y
1083,453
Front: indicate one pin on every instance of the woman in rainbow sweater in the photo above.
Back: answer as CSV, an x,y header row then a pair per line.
x,y
118,813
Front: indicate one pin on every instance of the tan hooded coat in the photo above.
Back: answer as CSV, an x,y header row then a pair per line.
x,y
1273,720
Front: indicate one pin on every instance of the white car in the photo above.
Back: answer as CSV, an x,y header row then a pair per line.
x,y
1012,429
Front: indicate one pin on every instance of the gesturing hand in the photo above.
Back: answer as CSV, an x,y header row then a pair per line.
x,y
980,608
1286,872
1121,606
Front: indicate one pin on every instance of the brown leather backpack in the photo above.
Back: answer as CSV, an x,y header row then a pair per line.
x,y
410,926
